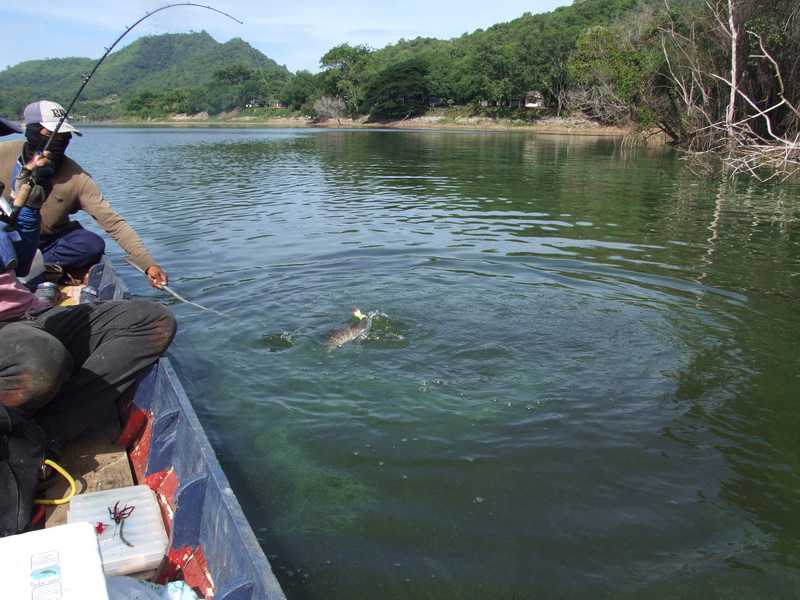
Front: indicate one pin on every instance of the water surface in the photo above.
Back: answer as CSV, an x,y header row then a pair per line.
x,y
581,379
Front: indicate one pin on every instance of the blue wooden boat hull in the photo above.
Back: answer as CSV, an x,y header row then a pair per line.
x,y
211,545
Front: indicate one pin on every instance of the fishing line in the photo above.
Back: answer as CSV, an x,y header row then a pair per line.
x,y
177,295
86,78
22,196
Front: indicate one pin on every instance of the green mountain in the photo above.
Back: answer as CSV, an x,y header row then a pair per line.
x,y
150,64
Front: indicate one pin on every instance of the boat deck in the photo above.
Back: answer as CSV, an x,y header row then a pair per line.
x,y
93,459
96,463
153,437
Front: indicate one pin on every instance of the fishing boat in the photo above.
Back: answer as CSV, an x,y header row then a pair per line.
x,y
159,442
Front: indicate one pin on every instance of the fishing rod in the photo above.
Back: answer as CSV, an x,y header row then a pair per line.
x,y
21,195
177,295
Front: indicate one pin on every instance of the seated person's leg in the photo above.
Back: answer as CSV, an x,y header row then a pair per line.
x,y
33,366
110,342
73,249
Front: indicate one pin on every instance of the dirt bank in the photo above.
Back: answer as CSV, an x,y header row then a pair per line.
x,y
547,124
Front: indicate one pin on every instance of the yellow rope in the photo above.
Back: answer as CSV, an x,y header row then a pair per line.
x,y
68,477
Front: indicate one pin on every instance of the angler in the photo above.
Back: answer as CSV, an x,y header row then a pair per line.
x,y
48,120
21,195
64,243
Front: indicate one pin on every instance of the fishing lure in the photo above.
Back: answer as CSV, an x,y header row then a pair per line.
x,y
118,515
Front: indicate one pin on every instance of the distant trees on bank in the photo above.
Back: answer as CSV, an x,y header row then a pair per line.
x,y
716,78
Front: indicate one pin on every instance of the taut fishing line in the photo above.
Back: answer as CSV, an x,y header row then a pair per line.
x,y
177,295
22,194
86,78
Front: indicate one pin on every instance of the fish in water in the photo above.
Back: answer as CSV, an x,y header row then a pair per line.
x,y
357,332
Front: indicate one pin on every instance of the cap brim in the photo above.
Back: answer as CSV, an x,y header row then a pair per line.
x,y
7,127
66,127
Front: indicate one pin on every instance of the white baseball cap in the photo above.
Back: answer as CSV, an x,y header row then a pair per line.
x,y
48,114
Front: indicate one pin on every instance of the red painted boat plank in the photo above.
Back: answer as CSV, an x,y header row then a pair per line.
x,y
139,450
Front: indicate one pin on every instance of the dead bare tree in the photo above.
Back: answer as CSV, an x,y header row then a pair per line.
x,y
730,29
328,107
743,130
775,153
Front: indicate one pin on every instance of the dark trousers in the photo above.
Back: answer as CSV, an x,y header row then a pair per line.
x,y
64,365
73,248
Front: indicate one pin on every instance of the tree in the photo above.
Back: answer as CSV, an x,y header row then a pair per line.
x,y
174,101
328,107
398,91
144,104
491,67
616,79
346,68
733,68
299,89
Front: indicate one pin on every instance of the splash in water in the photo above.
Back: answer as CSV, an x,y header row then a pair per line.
x,y
359,331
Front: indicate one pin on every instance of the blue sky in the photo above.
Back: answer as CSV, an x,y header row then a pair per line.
x,y
294,34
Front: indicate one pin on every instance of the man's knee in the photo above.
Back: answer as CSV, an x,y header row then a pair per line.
x,y
75,249
92,246
33,367
163,323
148,326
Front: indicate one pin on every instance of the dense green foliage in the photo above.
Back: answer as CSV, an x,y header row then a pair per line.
x,y
192,71
398,91
678,67
498,66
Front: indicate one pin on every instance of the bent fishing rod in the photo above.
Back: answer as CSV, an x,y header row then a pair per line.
x,y
21,195
177,295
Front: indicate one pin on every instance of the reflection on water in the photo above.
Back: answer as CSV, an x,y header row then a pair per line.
x,y
580,379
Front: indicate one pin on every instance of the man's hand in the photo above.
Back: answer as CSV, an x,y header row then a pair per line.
x,y
157,277
36,173
40,160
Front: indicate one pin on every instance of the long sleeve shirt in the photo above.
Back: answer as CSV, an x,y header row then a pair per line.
x,y
75,190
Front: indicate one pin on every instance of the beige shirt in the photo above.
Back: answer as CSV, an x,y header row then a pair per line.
x,y
74,190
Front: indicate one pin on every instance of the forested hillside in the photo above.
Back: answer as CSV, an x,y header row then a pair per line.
x,y
718,77
150,65
497,65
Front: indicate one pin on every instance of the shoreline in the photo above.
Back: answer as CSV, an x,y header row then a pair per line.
x,y
576,126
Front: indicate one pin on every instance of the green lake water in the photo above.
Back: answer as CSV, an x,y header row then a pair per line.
x,y
581,379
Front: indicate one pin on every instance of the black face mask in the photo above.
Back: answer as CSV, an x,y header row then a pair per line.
x,y
36,143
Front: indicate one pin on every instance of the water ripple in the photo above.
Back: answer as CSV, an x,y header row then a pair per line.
x,y
583,361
